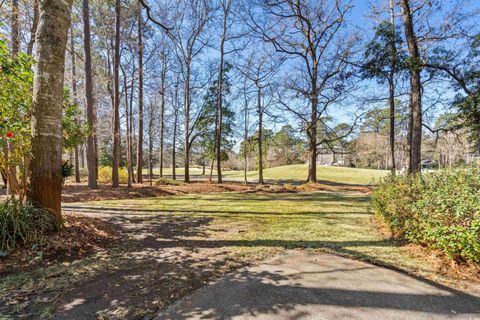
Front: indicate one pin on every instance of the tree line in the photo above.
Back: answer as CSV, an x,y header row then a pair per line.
x,y
127,82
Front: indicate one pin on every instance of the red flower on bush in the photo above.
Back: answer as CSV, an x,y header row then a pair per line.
x,y
10,135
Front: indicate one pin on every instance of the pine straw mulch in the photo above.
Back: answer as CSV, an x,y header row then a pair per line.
x,y
80,237
460,274
81,192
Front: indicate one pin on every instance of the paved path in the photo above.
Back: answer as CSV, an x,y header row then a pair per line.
x,y
303,285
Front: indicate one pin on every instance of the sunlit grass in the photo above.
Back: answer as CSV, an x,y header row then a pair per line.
x,y
297,174
260,223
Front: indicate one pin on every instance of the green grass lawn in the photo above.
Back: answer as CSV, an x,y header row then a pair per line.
x,y
260,223
175,244
296,174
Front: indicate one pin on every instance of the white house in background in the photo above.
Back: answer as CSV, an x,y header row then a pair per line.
x,y
332,157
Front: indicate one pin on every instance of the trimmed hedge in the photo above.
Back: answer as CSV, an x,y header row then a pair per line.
x,y
440,210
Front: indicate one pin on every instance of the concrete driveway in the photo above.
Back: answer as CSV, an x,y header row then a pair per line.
x,y
306,285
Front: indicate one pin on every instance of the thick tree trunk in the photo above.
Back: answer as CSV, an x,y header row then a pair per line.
x,y
89,100
415,130
116,103
260,135
46,163
140,97
75,100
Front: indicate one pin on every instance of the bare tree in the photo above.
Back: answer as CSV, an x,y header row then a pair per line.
x,y
190,22
260,67
45,167
309,33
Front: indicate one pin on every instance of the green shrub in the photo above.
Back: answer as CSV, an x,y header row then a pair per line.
x,y
67,170
167,182
22,223
439,209
105,175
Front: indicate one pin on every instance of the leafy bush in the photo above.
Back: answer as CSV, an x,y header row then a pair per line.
x,y
105,175
439,209
67,170
23,223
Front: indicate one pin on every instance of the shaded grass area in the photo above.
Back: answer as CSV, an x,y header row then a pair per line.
x,y
172,245
297,174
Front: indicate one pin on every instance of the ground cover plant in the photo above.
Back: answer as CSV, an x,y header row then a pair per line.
x,y
439,209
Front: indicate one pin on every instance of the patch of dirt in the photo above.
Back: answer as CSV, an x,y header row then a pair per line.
x,y
80,237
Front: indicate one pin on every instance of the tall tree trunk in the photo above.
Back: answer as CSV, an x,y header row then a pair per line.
x,y
89,100
391,82
245,137
131,138
140,97
116,104
15,47
33,30
260,135
15,27
150,144
46,163
82,156
162,113
75,100
312,130
127,137
219,116
187,125
174,142
415,130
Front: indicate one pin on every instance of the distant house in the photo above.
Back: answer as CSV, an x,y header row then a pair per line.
x,y
333,157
